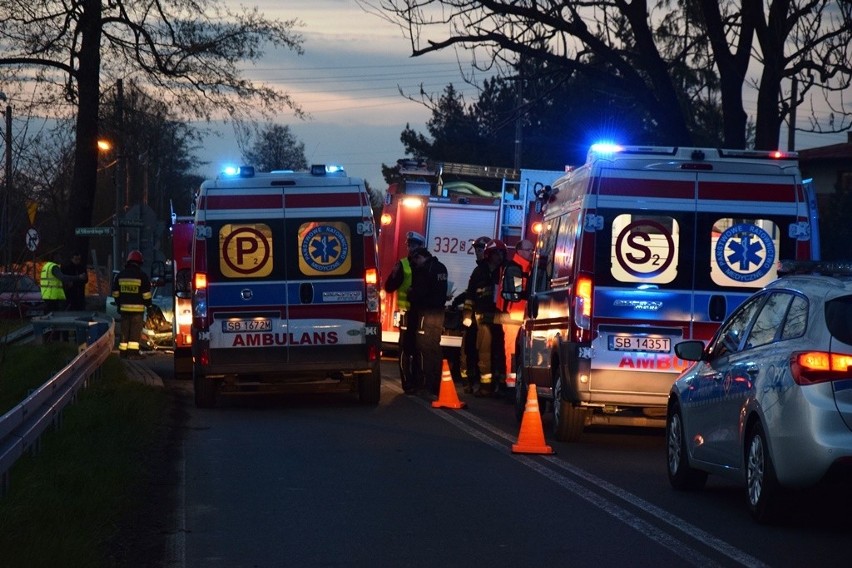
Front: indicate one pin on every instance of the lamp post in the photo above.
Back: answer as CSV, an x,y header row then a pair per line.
x,y
106,146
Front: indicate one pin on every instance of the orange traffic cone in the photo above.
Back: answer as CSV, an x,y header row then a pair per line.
x,y
531,436
447,395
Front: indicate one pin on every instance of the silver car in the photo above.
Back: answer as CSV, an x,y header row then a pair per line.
x,y
769,400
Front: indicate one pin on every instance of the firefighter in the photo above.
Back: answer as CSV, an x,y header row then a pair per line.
x,y
399,281
131,290
480,308
468,360
427,297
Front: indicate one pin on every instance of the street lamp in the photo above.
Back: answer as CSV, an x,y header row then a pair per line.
x,y
107,146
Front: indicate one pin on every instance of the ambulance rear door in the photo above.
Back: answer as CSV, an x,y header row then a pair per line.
x,y
247,269
748,219
644,278
326,228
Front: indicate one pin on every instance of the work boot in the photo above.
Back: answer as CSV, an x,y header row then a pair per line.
x,y
486,390
466,386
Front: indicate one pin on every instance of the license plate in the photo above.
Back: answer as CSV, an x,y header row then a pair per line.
x,y
237,326
640,343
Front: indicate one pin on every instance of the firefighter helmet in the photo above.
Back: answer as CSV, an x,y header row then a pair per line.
x,y
135,256
481,242
494,246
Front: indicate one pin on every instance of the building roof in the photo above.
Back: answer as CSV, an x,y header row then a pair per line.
x,y
842,151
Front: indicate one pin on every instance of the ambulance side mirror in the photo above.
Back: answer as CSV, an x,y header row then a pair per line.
x,y
513,284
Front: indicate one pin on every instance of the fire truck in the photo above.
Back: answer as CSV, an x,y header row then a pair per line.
x,y
181,230
452,205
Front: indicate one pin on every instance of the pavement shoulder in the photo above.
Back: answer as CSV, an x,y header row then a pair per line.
x,y
138,371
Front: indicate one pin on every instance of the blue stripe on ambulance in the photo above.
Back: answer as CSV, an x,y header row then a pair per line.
x,y
285,293
654,305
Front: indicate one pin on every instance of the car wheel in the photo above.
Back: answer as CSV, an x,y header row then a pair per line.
x,y
681,475
762,488
370,387
206,390
521,390
568,420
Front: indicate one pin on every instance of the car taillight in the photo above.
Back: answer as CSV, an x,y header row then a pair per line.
x,y
371,282
811,367
199,299
583,290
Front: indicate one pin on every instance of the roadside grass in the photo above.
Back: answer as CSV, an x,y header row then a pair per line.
x,y
70,502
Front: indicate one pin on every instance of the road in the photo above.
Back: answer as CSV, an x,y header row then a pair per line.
x,y
322,481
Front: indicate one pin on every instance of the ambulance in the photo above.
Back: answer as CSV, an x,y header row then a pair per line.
x,y
285,285
643,247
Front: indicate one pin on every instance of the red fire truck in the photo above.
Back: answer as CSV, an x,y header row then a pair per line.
x,y
181,230
452,205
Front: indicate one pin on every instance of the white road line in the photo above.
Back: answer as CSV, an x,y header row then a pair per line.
x,y
663,538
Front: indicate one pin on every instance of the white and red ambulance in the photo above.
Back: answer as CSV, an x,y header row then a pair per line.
x,y
285,285
643,247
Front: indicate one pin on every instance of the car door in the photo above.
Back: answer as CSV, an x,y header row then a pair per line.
x,y
716,388
749,370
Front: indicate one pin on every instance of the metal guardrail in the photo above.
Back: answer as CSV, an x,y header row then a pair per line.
x,y
21,428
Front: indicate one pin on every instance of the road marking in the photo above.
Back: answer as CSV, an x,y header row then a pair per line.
x,y
678,547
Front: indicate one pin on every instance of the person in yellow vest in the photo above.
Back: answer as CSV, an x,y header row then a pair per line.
x,y
52,282
399,281
131,290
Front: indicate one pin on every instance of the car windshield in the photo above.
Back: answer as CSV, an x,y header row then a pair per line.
x,y
838,318
13,283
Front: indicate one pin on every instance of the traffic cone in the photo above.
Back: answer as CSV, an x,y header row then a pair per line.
x,y
531,436
447,395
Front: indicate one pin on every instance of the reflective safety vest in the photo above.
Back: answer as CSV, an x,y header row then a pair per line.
x,y
402,292
51,286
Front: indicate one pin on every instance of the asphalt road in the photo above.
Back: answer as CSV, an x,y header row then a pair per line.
x,y
320,480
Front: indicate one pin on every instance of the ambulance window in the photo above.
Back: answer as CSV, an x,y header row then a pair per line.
x,y
566,245
544,266
324,248
744,252
644,248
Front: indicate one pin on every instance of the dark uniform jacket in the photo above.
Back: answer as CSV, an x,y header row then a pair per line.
x,y
428,285
132,289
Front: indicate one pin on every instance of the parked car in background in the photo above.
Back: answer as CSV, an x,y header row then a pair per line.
x,y
769,400
20,296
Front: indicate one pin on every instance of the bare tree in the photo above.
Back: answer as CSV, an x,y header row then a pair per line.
x,y
190,50
273,147
647,50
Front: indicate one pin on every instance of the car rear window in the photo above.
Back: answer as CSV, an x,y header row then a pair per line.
x,y
838,318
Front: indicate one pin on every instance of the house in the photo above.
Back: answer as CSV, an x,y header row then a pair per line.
x,y
830,167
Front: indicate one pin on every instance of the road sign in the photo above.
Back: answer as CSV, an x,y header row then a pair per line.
x,y
131,223
93,231
32,239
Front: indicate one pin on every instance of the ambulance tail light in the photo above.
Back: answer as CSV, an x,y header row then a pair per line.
x,y
536,227
811,367
371,282
199,299
583,292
